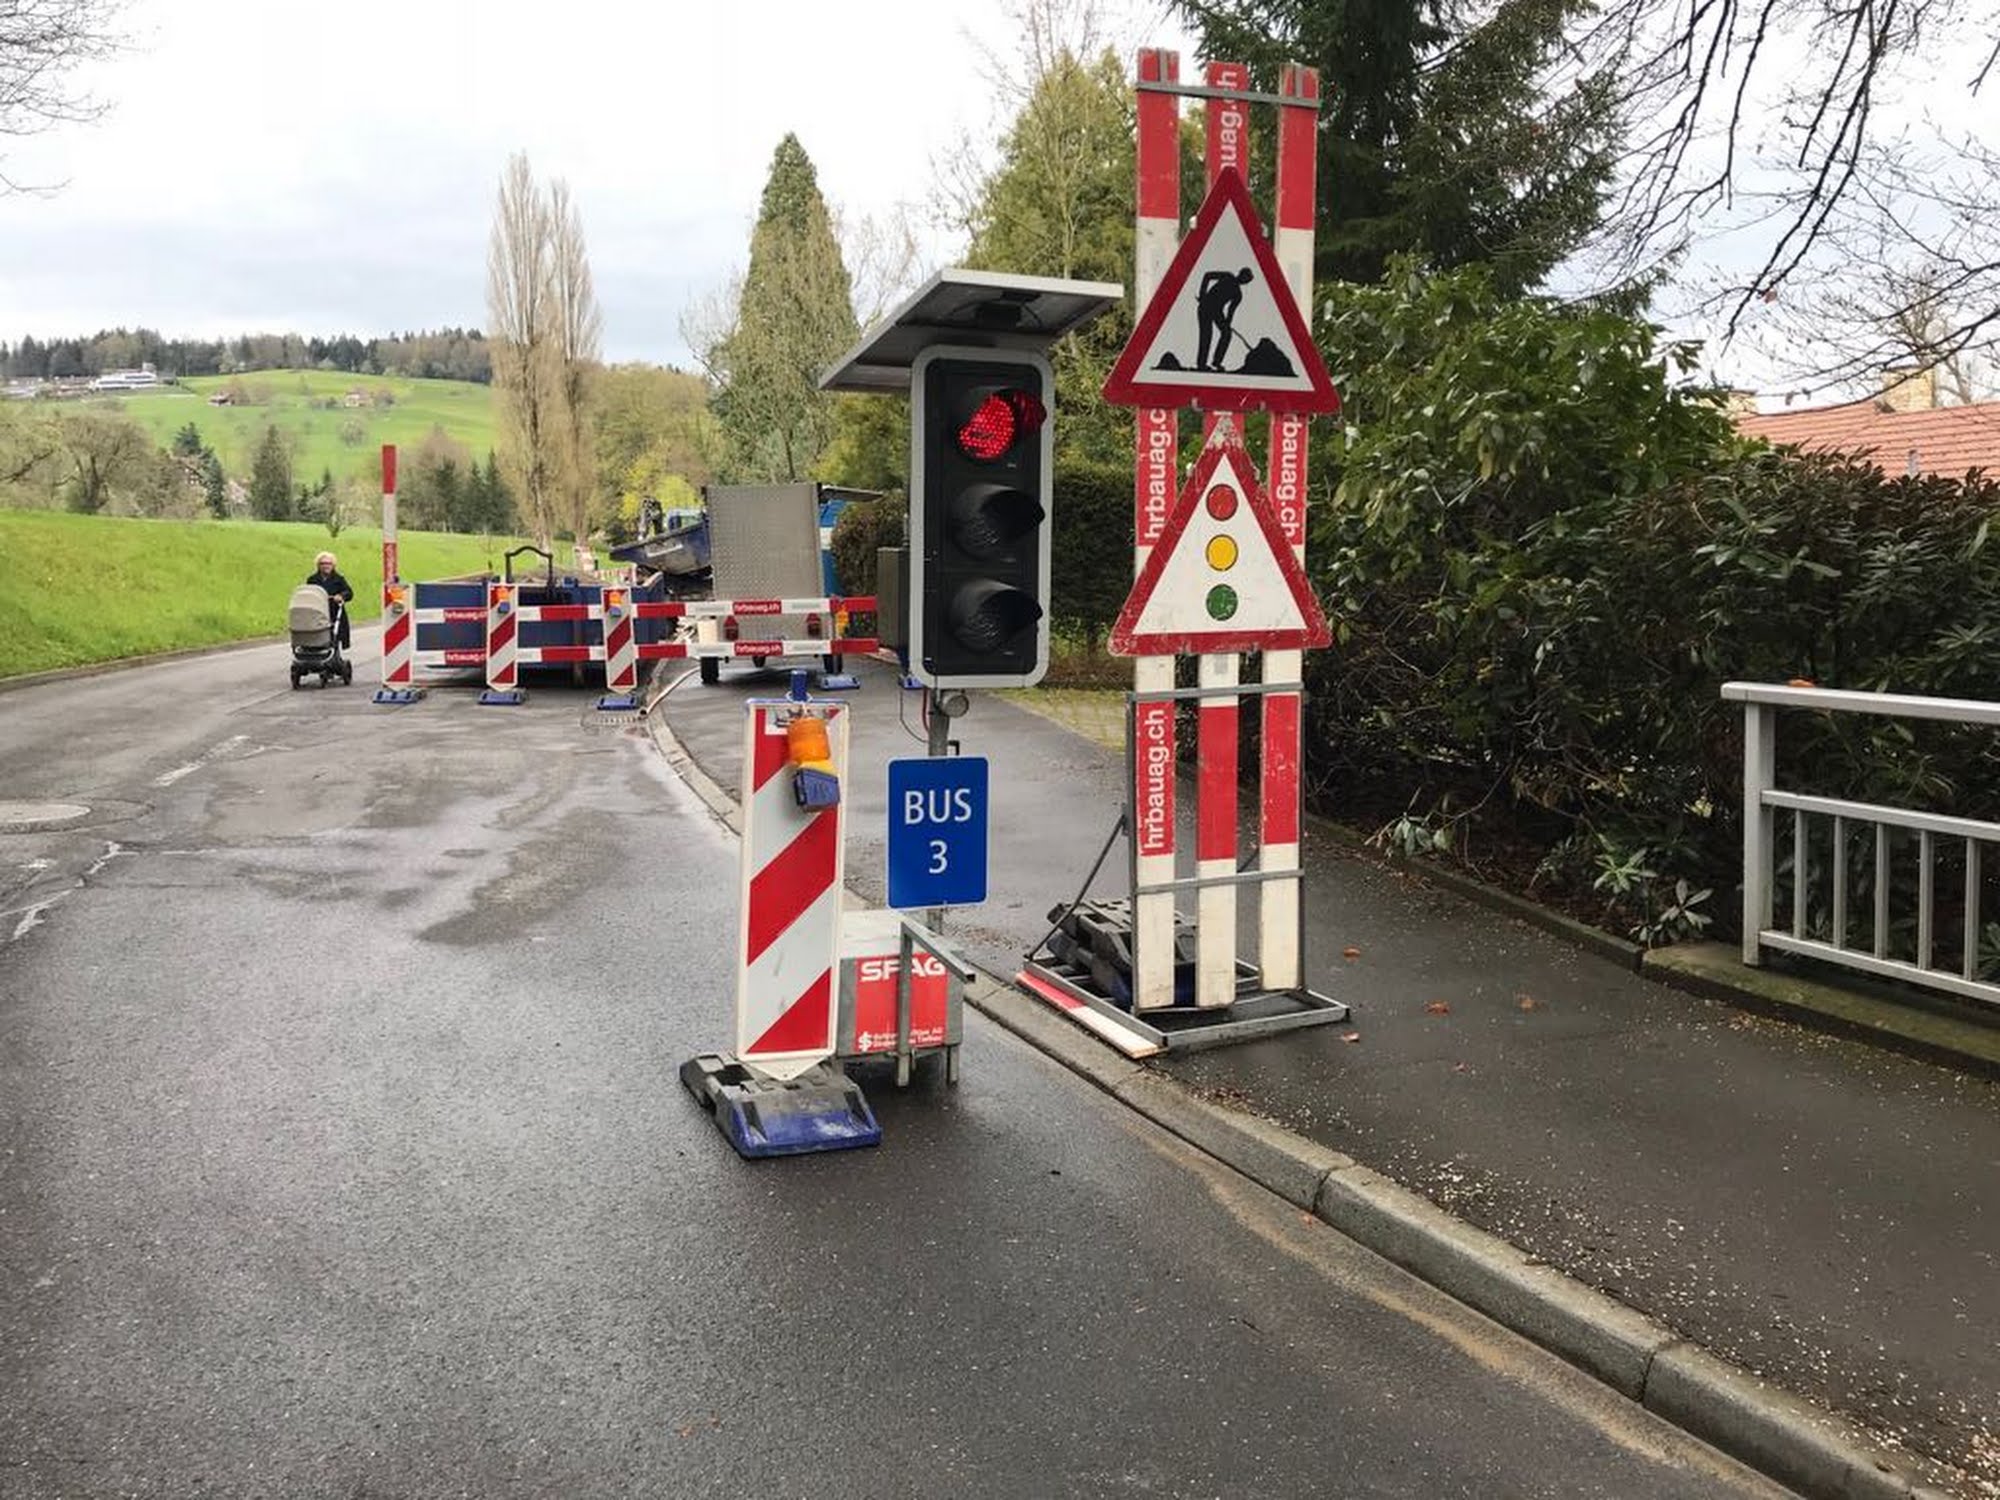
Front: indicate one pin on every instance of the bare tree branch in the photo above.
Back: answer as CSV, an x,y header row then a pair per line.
x,y
42,43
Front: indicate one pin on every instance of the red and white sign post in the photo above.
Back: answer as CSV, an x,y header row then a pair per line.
x,y
1279,914
1215,673
399,618
1155,485
1221,330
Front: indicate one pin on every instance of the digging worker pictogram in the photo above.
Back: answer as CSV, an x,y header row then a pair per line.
x,y
1215,312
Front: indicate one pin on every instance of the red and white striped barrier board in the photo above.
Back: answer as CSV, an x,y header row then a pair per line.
x,y
503,630
788,948
621,643
399,637
1155,484
1278,914
1216,720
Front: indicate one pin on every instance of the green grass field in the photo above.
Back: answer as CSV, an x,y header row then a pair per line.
x,y
345,440
81,589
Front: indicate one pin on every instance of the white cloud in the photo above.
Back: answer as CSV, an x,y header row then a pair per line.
x,y
274,164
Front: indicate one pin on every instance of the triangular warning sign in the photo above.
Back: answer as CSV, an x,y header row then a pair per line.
x,y
1221,578
1223,331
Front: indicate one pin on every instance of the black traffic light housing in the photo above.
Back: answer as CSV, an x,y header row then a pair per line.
x,y
982,453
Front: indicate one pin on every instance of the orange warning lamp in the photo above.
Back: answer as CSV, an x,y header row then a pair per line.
x,y
806,742
815,784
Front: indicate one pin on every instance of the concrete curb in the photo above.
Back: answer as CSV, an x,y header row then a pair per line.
x,y
1644,1360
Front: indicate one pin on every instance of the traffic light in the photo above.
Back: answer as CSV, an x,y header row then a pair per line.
x,y
982,451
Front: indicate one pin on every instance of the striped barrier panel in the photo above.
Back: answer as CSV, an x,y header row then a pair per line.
x,y
503,655
621,642
399,637
788,947
503,627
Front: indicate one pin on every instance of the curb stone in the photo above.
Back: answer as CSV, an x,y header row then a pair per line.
x,y
1586,1327
127,663
1765,1428
1768,1429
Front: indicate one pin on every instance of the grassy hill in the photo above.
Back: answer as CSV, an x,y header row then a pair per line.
x,y
307,406
79,589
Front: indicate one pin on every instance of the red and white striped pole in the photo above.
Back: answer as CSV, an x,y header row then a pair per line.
x,y
399,618
1156,483
1228,126
789,933
1278,916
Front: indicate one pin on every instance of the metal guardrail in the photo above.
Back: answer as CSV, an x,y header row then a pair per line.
x,y
1933,832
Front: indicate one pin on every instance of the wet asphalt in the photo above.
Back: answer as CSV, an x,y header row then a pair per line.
x,y
341,1154
1818,1212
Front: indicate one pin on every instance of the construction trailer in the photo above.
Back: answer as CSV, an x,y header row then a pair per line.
x,y
771,545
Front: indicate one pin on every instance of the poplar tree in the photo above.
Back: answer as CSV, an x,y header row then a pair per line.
x,y
794,316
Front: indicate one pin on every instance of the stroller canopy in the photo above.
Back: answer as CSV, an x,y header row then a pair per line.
x,y
311,609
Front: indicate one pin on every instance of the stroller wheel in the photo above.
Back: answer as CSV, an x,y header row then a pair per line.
x,y
297,678
347,673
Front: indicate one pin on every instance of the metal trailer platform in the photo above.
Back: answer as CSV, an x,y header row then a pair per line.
x,y
1084,969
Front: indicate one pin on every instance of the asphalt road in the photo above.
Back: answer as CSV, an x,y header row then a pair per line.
x,y
341,1154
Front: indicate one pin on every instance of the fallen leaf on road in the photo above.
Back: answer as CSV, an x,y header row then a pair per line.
x,y
1529,1002
1350,1036
1437,1008
1350,953
1460,1068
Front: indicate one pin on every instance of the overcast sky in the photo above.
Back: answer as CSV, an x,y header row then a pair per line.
x,y
330,167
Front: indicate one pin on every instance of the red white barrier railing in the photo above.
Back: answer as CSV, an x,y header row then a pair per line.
x,y
833,605
501,656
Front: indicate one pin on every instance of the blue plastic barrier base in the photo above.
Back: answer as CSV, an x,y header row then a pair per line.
x,y
618,703
838,682
909,682
398,695
820,1110
506,697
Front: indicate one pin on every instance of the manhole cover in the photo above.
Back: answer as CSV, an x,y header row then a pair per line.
x,y
28,817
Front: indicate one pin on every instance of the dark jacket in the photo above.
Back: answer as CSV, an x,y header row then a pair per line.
x,y
333,583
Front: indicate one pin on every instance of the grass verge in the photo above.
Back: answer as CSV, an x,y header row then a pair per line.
x,y
81,589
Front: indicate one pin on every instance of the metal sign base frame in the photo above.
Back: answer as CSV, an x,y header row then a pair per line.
x,y
1255,1013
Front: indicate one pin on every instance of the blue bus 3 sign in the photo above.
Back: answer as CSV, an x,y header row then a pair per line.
x,y
937,832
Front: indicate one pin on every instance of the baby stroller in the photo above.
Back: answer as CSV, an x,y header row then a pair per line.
x,y
315,624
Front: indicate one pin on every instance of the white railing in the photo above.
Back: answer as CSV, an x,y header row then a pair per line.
x,y
1935,836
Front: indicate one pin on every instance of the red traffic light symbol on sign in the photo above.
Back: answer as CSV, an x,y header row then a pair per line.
x,y
1223,331
1221,578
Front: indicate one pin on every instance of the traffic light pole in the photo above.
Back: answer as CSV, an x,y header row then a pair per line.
x,y
941,706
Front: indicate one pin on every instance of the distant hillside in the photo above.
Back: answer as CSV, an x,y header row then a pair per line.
x,y
310,408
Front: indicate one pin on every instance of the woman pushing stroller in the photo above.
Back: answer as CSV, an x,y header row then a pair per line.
x,y
327,576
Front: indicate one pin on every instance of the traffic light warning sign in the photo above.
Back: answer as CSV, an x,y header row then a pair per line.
x,y
1221,578
1223,331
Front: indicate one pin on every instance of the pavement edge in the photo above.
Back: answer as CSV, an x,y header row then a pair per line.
x,y
1769,1430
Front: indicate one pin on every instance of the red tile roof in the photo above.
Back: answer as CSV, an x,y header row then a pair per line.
x,y
1946,440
